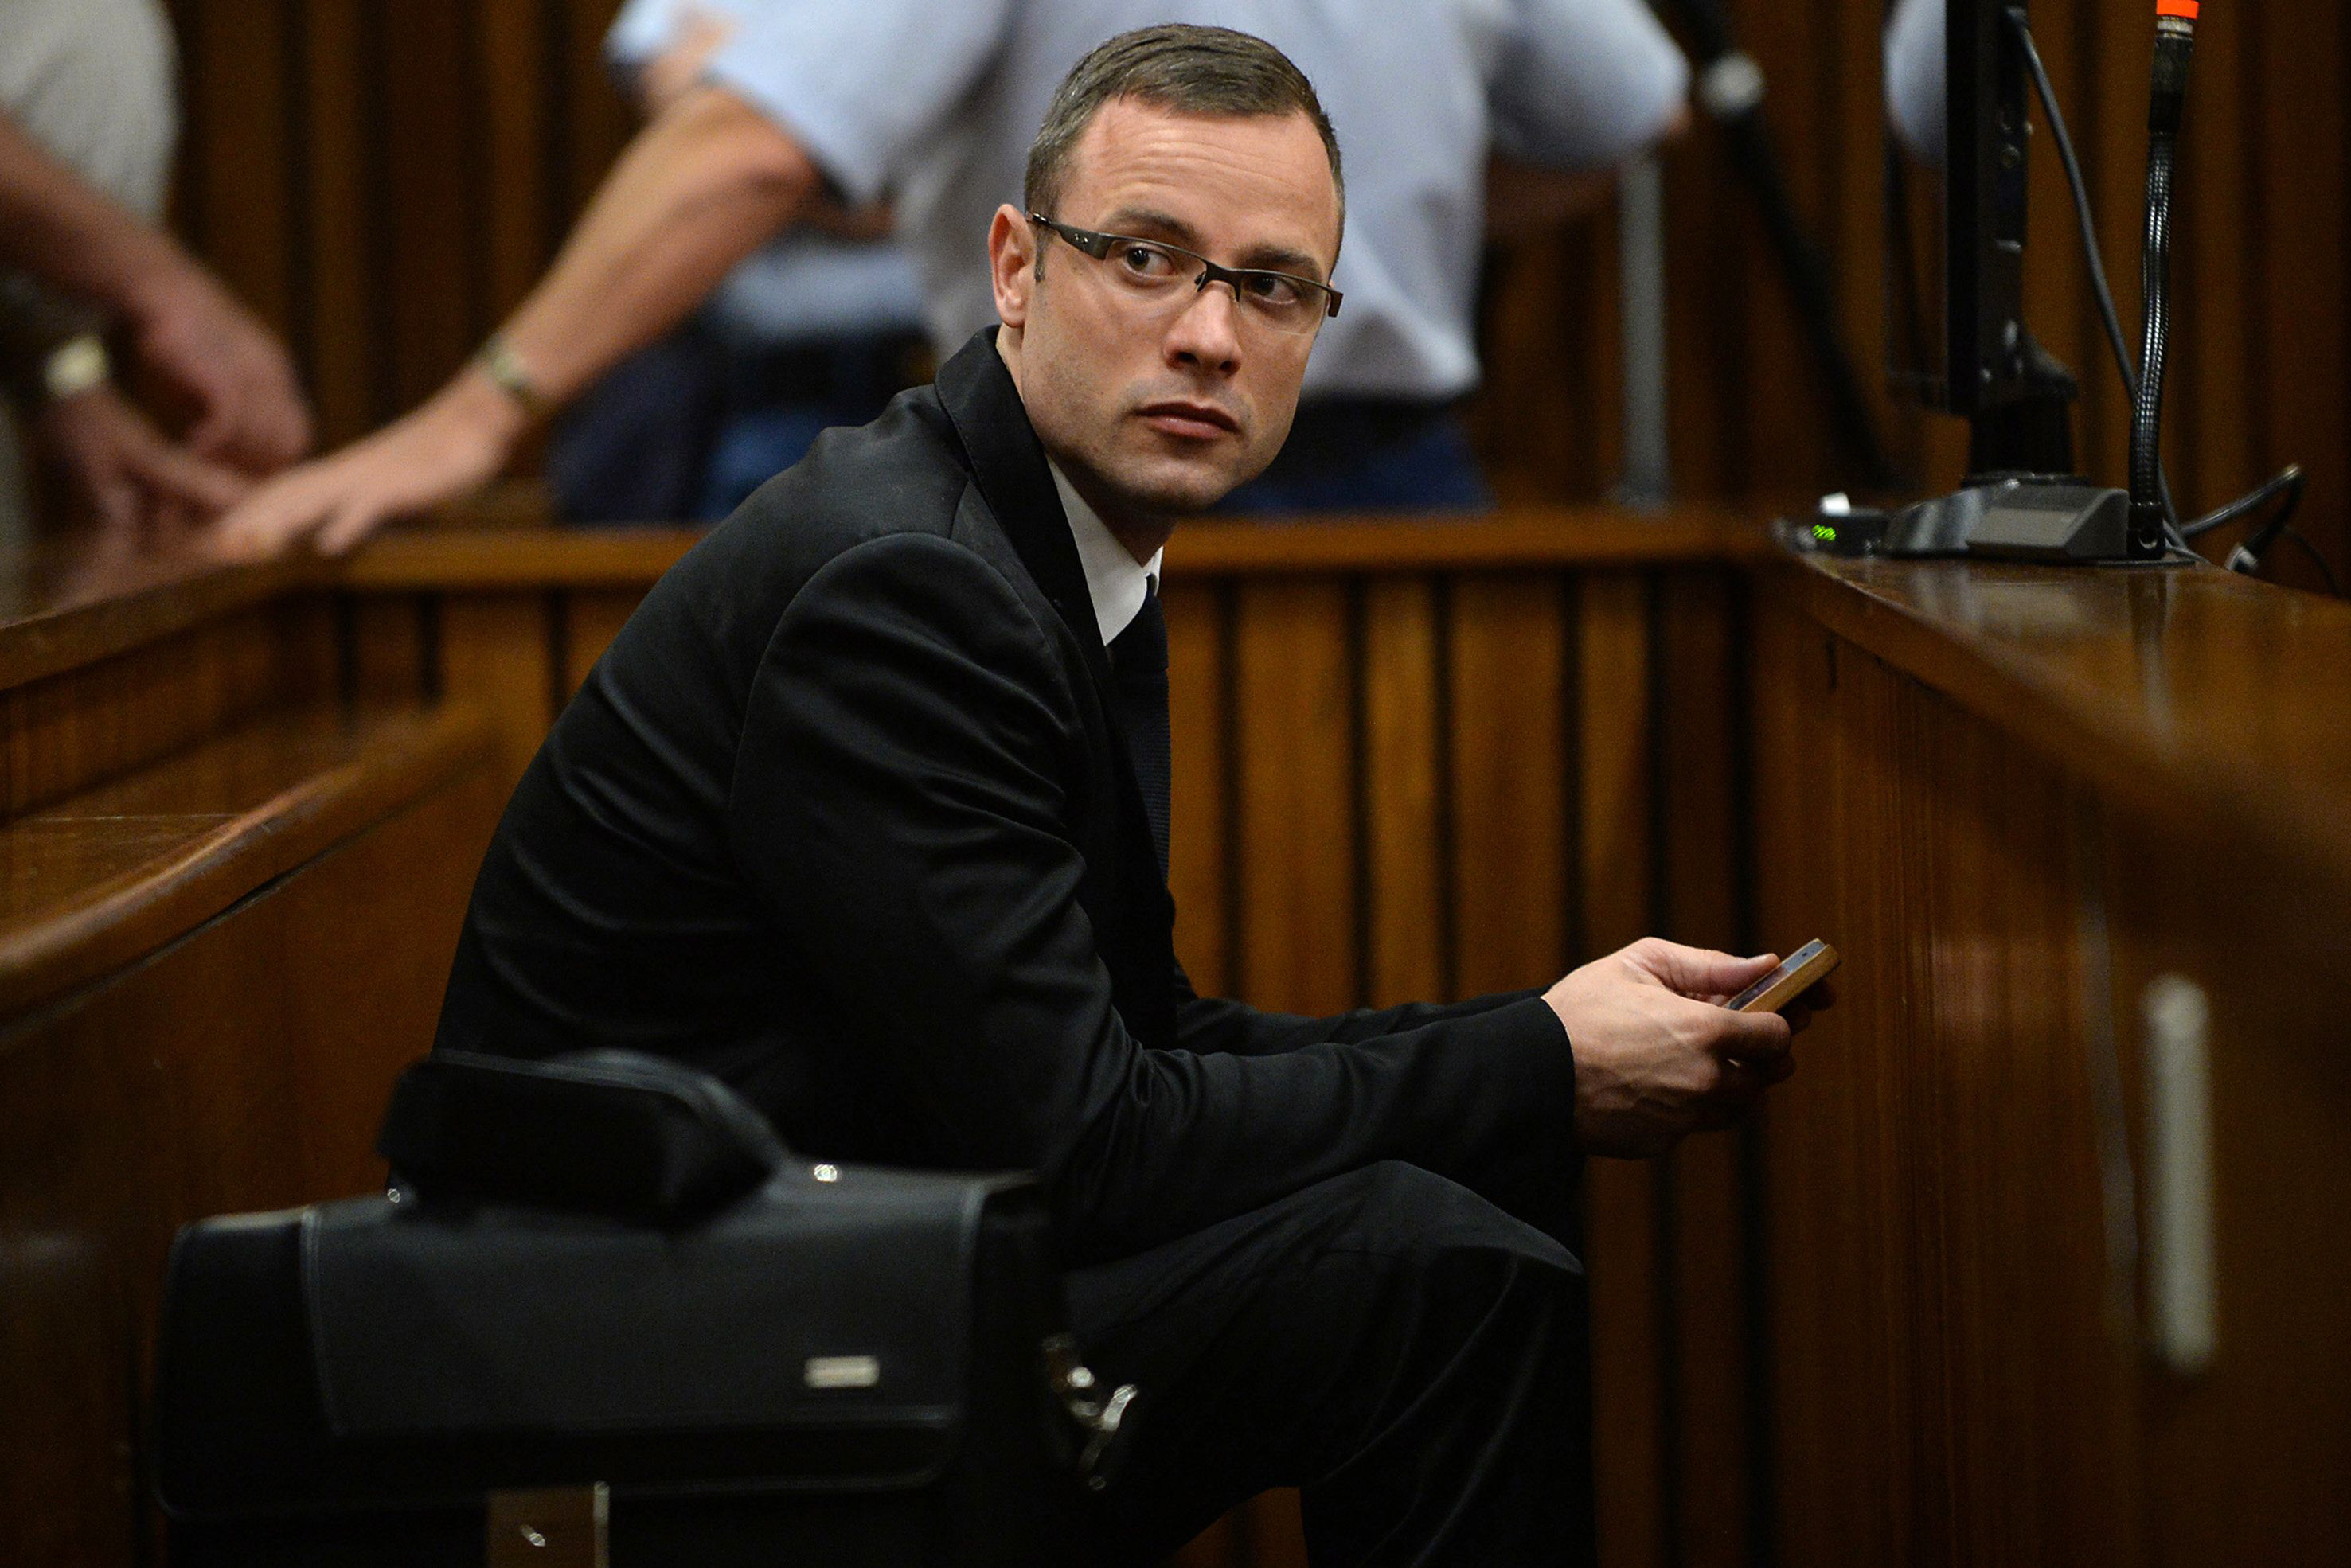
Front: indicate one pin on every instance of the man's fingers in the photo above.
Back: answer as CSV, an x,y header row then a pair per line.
x,y
1746,1037
1697,972
207,486
352,522
271,519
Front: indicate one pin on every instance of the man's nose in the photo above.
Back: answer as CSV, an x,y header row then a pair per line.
x,y
1205,331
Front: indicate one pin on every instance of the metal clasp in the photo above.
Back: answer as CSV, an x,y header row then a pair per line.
x,y
1100,1419
554,1527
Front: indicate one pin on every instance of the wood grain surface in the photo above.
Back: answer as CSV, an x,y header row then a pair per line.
x,y
1901,1321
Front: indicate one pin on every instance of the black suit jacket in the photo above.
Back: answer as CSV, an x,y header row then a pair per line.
x,y
843,817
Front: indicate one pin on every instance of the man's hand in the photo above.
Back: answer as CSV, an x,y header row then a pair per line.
x,y
249,409
1656,1054
449,447
117,467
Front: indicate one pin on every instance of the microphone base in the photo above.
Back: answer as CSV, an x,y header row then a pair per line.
x,y
2057,518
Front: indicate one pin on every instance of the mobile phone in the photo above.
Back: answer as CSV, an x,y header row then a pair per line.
x,y
1812,962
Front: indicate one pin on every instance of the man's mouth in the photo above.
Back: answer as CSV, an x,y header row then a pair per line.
x,y
1192,421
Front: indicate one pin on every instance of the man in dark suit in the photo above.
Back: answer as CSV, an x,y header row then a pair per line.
x,y
861,813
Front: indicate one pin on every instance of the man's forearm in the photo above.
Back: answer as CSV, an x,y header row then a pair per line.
x,y
55,227
702,186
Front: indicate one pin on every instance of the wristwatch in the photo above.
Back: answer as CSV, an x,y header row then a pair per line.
x,y
506,373
74,366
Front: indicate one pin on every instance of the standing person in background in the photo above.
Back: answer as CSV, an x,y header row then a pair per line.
x,y
87,121
931,106
818,328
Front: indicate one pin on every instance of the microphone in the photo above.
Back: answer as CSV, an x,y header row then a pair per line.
x,y
2174,42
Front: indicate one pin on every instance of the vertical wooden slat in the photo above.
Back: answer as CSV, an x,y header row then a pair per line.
x,y
341,206
1293,684
2305,356
1620,1207
1402,751
1509,746
596,121
1197,721
1706,302
1785,423
387,652
1294,952
1545,421
235,58
1857,241
306,665
496,653
429,169
1699,704
512,35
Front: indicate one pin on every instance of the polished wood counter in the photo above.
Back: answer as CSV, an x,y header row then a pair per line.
x,y
1912,1315
2213,703
2049,1211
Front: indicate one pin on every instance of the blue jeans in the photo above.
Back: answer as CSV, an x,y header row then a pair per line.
x,y
1362,456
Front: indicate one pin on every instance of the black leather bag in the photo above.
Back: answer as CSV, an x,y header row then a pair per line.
x,y
602,1304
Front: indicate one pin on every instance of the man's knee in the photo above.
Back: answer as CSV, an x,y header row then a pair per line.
x,y
1402,1211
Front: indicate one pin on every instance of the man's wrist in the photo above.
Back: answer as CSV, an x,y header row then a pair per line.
x,y
511,374
477,401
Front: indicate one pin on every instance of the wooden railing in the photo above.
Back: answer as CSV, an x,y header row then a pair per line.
x,y
1900,1318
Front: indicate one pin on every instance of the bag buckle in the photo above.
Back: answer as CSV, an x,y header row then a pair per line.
x,y
551,1527
1100,1419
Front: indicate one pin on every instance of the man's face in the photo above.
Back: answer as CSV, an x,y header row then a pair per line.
x,y
1154,412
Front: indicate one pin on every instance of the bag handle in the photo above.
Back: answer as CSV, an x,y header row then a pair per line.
x,y
615,1133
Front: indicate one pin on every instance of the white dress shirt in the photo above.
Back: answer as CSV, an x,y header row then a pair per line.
x,y
1116,582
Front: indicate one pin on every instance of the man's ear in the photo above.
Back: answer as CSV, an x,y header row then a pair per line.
x,y
1012,264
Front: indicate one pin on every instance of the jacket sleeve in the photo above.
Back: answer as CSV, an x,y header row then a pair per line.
x,y
899,802
1218,1024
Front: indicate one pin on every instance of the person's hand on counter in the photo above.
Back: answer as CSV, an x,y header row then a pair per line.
x,y
248,407
112,464
449,447
1657,1056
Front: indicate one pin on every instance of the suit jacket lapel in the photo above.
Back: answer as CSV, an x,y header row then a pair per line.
x,y
1007,463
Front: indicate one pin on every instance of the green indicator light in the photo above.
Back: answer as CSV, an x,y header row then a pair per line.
x,y
1825,533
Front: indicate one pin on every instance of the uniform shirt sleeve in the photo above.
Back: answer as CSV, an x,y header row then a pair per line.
x,y
858,83
1585,83
645,28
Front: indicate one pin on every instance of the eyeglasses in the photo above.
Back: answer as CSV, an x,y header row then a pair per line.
x,y
1147,271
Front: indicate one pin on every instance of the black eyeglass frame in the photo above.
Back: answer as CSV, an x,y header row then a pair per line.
x,y
1099,246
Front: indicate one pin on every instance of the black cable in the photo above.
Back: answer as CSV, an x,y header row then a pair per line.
x,y
2022,26
2288,482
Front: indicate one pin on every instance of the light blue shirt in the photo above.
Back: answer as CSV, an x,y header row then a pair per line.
x,y
804,288
933,103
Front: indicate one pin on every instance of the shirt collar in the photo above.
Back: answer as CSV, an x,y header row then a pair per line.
x,y
1116,583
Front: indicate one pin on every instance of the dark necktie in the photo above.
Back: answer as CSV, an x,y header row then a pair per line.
x,y
1138,658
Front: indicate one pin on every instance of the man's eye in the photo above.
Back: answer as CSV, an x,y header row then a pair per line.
x,y
1145,261
1272,289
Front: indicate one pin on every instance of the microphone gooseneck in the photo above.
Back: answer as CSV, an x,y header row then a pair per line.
x,y
2174,42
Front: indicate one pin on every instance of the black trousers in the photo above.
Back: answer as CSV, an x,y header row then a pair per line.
x,y
1412,1355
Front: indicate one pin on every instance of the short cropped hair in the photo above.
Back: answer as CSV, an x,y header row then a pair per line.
x,y
1180,66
